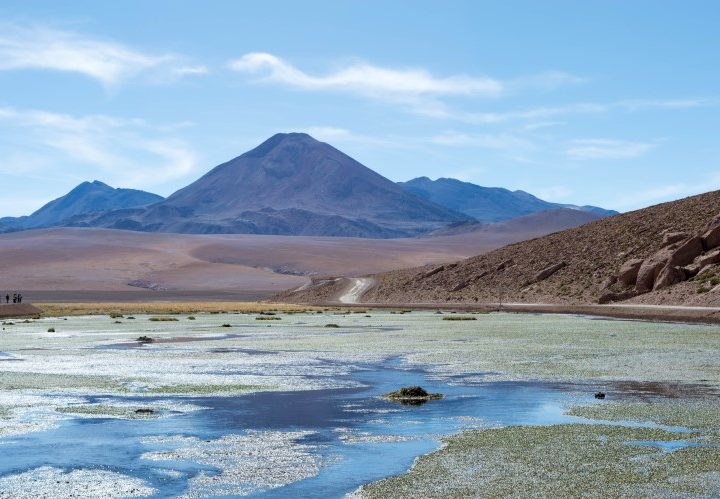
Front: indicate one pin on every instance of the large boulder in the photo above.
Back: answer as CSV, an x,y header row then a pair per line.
x,y
627,276
668,276
673,237
650,269
711,234
687,251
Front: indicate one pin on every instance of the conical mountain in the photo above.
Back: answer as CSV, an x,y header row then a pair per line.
x,y
294,184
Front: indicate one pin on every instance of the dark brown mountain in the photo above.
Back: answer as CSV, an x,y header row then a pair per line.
x,y
291,184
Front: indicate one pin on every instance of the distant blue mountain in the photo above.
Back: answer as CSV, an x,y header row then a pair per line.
x,y
486,204
85,199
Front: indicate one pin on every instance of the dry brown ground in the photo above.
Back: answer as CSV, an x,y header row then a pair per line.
x,y
75,264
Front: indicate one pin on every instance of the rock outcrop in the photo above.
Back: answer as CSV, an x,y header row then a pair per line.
x,y
681,257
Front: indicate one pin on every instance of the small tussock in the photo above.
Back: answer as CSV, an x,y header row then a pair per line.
x,y
332,325
145,339
51,330
412,395
459,318
163,319
267,318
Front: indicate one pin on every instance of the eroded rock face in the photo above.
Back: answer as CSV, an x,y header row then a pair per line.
x,y
628,273
668,276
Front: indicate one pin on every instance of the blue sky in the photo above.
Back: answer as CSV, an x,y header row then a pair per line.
x,y
611,103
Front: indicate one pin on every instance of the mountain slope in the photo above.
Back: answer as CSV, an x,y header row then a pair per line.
x,y
293,184
664,254
85,199
487,204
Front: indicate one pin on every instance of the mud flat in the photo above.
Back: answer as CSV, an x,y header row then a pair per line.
x,y
197,409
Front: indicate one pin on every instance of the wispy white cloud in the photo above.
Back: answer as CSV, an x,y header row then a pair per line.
x,y
105,61
607,149
120,151
485,141
366,79
580,108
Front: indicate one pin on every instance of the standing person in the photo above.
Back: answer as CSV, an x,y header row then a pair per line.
x,y
19,298
7,298
14,297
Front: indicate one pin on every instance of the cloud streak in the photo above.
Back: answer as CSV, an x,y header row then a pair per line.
x,y
120,151
110,63
366,79
607,149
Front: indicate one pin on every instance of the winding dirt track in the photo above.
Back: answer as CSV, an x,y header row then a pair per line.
x,y
359,286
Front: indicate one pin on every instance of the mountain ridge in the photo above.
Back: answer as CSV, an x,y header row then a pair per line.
x,y
486,204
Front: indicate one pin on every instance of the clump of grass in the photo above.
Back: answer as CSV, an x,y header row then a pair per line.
x,y
116,316
191,318
51,330
163,319
265,318
331,325
145,339
459,318
226,325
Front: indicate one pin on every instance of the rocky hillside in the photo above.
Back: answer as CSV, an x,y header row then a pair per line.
x,y
668,253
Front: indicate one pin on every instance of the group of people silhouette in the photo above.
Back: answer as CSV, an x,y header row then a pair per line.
x,y
16,298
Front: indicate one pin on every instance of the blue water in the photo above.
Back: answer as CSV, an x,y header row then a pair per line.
x,y
116,444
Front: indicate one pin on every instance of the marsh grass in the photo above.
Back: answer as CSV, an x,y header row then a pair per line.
x,y
71,309
459,318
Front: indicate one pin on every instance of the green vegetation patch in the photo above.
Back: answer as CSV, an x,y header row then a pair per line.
x,y
163,319
44,381
557,461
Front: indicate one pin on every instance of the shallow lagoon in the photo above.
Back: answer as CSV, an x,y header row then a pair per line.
x,y
292,408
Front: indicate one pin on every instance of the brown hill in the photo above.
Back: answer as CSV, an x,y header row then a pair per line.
x,y
662,254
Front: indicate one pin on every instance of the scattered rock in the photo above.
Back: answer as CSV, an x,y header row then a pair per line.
x,y
692,270
629,272
613,297
331,325
673,237
51,330
462,285
505,264
548,271
600,395
708,258
412,395
608,282
650,269
432,272
145,411
145,339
